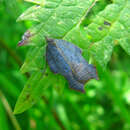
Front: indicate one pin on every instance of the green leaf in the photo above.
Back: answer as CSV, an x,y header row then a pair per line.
x,y
34,88
109,28
32,92
35,59
104,41
62,19
64,15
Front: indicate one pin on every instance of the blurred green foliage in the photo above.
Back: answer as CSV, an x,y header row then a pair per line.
x,y
104,106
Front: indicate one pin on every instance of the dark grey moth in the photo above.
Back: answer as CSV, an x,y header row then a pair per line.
x,y
65,58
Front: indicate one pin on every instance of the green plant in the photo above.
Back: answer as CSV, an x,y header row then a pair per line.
x,y
107,27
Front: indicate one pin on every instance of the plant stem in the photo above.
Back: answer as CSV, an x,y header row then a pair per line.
x,y
9,111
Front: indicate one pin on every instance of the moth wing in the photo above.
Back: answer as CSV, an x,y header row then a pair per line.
x,y
64,44
79,72
83,72
76,49
51,63
74,84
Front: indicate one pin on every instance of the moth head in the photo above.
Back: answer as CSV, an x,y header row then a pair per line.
x,y
49,40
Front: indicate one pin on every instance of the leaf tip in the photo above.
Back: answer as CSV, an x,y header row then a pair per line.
x,y
16,110
25,38
19,18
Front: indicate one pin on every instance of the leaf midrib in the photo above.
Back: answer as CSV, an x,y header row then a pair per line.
x,y
76,25
81,19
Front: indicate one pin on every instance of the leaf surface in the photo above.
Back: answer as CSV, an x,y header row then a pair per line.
x,y
32,91
63,19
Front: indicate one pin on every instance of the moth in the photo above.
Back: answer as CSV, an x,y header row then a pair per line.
x,y
66,59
